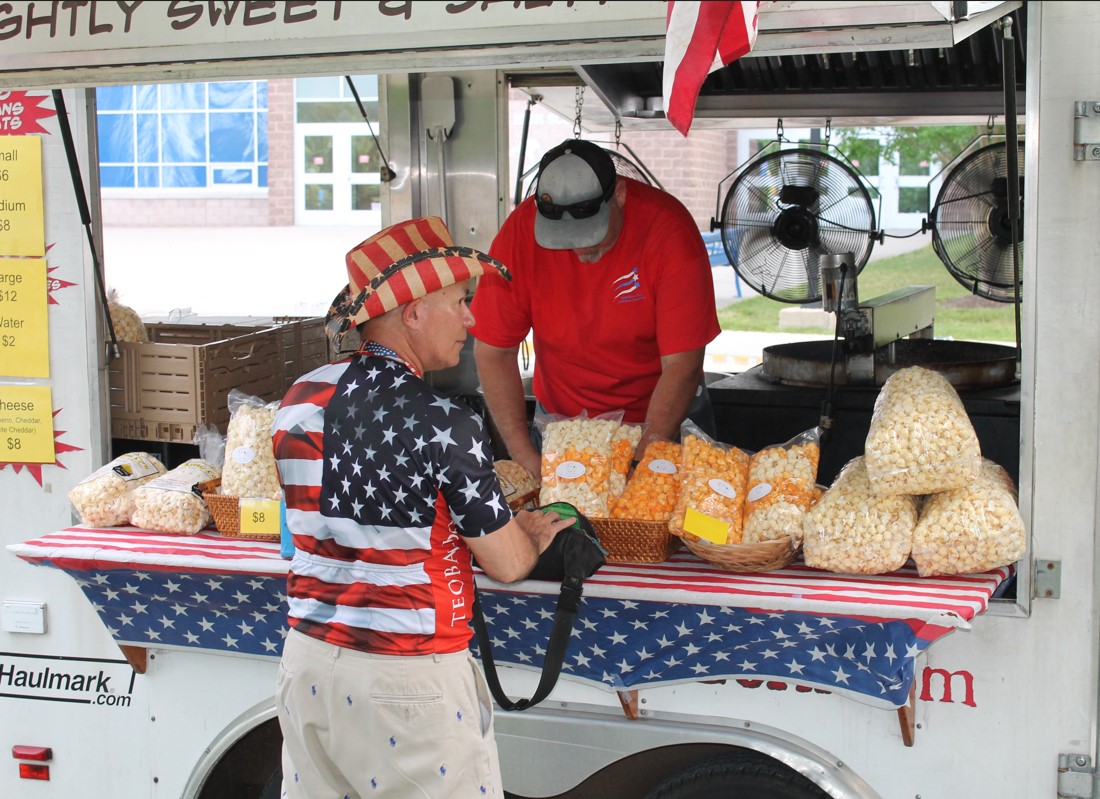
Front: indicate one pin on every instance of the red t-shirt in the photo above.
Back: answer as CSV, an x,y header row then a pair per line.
x,y
600,329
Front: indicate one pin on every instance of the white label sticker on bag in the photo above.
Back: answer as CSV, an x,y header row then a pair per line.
x,y
722,487
759,491
570,470
662,466
244,455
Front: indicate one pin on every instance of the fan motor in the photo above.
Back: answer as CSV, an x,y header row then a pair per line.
x,y
796,229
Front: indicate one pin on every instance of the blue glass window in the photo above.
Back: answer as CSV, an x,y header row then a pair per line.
x,y
192,135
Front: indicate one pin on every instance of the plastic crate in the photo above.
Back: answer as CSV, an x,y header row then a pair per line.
x,y
305,345
161,390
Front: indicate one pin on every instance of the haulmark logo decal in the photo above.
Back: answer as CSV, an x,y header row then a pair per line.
x,y
50,678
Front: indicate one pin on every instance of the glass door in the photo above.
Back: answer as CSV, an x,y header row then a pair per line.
x,y
337,181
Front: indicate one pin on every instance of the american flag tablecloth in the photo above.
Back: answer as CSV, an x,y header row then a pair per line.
x,y
639,624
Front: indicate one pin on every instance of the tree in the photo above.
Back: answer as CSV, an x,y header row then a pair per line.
x,y
933,142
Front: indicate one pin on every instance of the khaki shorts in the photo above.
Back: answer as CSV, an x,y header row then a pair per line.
x,y
357,725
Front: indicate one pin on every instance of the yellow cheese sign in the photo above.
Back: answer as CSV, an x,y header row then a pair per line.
x,y
260,516
26,424
24,330
22,221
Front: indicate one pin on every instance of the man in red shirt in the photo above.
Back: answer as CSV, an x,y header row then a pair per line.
x,y
612,278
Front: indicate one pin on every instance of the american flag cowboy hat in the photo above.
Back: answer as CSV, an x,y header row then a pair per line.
x,y
399,264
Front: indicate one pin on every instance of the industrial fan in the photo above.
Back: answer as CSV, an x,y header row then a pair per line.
x,y
788,208
971,226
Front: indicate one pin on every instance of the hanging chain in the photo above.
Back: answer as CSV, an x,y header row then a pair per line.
x,y
618,131
828,130
577,119
779,130
989,124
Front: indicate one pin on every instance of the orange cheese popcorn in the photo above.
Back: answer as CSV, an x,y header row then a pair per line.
x,y
623,443
576,464
780,490
713,485
653,489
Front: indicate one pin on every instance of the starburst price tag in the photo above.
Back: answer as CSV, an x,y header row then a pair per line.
x,y
22,222
260,516
24,331
26,425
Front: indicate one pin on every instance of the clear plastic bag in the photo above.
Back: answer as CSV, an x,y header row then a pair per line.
x,y
125,321
105,498
653,489
780,489
971,529
921,440
516,483
249,469
624,442
576,461
712,491
852,530
171,503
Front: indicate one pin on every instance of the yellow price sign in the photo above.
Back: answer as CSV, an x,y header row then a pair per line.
x,y
22,221
26,425
706,527
24,330
260,516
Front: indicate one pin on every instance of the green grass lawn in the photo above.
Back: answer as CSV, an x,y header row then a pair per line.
x,y
960,315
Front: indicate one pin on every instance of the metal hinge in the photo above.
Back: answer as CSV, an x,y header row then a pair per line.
x,y
1076,777
1046,577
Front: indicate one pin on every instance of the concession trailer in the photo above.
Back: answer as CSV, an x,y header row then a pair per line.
x,y
135,664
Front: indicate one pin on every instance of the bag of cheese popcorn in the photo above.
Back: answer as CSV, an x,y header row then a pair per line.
x,y
921,440
171,502
852,530
249,469
105,497
971,529
712,491
576,461
780,489
654,487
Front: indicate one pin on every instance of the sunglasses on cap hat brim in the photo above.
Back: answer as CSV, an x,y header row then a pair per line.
x,y
582,209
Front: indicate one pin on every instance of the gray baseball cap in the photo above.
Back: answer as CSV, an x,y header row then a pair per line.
x,y
573,194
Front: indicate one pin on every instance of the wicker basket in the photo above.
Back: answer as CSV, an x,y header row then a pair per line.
x,y
635,540
226,511
765,557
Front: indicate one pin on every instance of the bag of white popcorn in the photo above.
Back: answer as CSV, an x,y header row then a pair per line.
x,y
780,489
971,529
125,321
921,440
105,497
249,469
851,530
576,461
171,503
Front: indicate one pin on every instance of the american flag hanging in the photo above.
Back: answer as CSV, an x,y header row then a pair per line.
x,y
701,37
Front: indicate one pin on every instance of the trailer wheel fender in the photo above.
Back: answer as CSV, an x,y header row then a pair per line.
x,y
248,733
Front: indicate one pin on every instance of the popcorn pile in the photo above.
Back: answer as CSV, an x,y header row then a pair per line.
x,y
623,444
714,479
169,504
780,490
249,469
576,464
921,440
971,529
854,531
516,483
105,498
653,489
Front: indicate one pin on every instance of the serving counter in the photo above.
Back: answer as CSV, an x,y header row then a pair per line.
x,y
639,625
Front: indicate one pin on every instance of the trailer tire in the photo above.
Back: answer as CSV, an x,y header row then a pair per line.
x,y
740,776
274,785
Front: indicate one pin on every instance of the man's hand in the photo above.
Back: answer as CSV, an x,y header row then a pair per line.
x,y
542,526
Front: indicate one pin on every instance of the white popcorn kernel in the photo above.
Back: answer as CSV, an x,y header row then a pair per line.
x,y
105,498
921,440
852,530
169,504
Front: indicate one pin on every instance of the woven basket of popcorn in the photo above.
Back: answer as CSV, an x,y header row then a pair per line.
x,y
226,510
